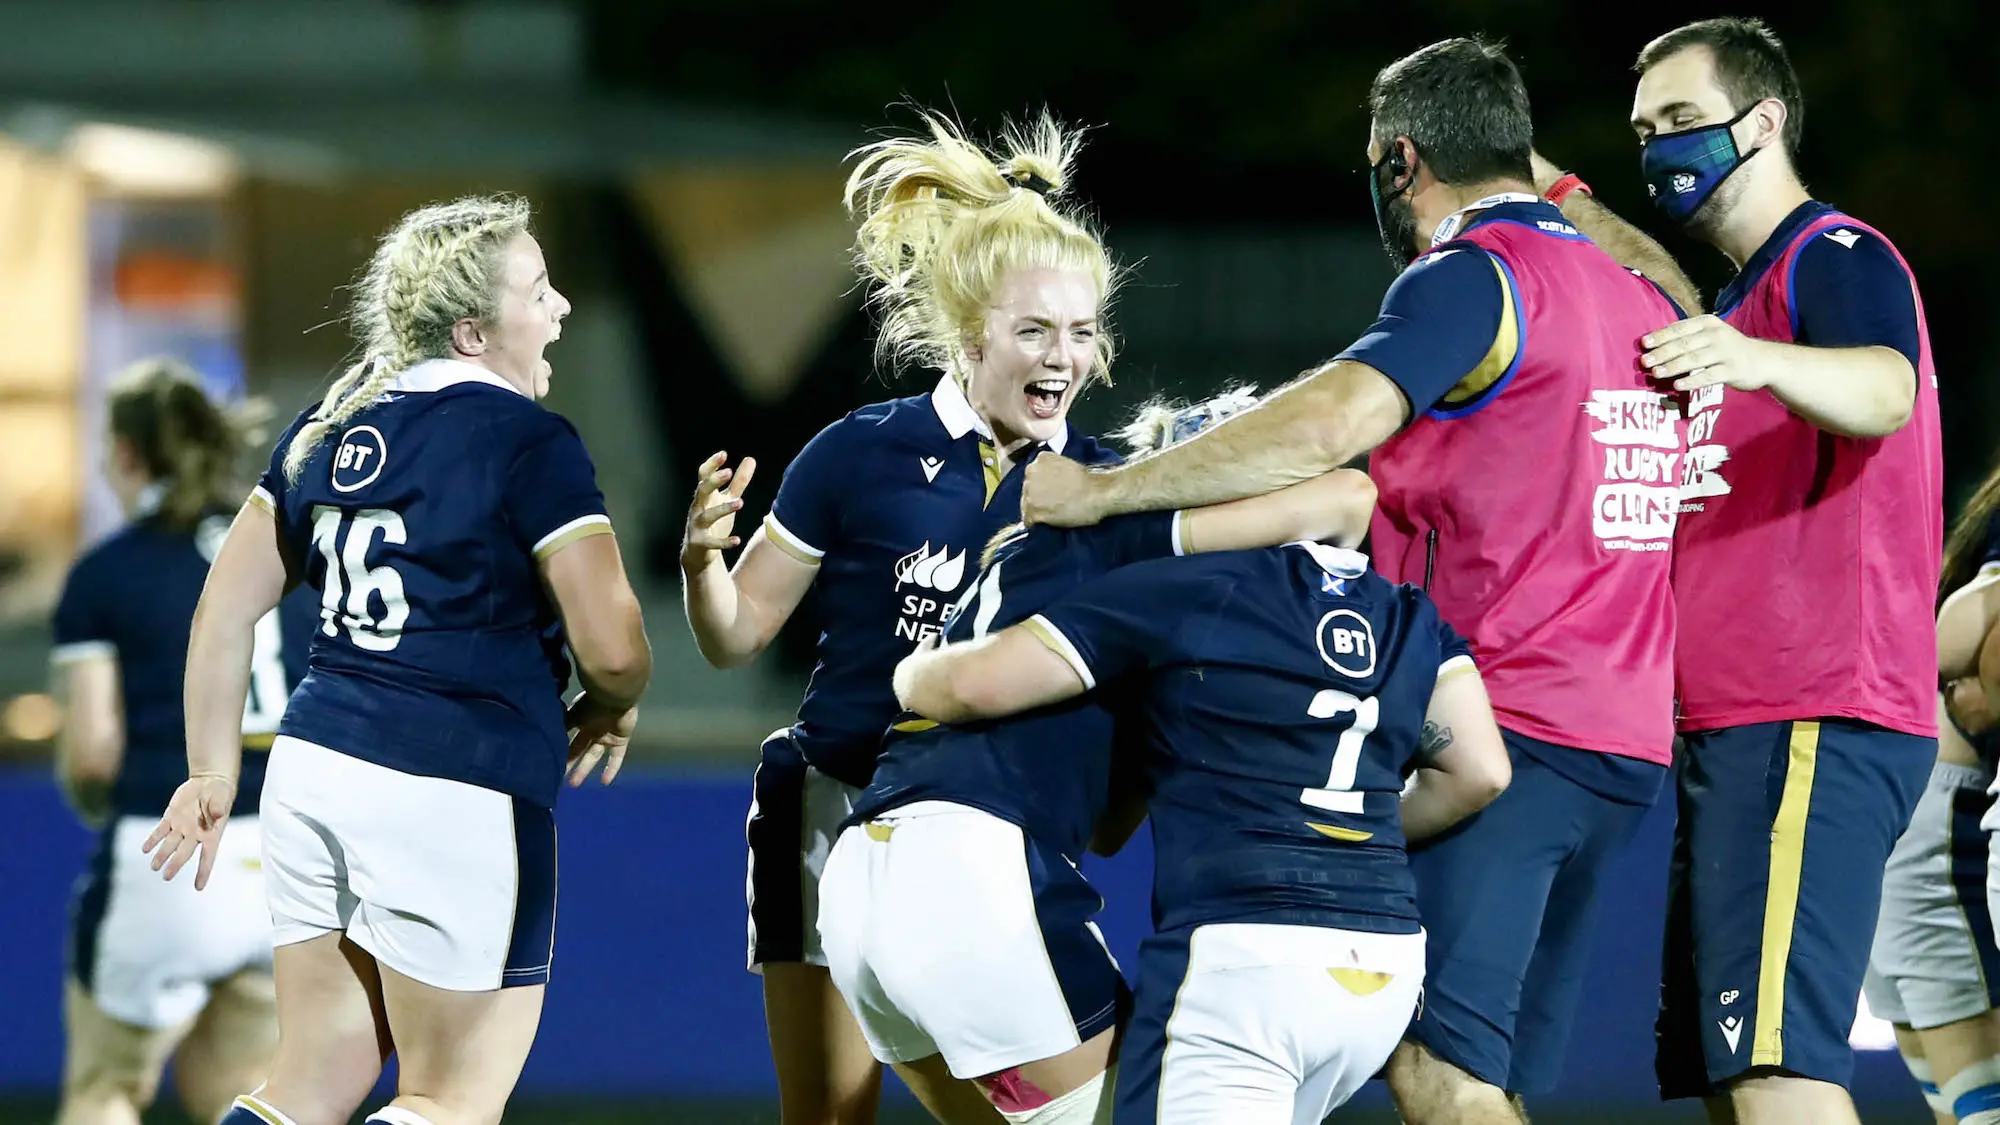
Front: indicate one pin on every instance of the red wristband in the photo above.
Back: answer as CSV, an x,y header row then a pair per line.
x,y
1560,190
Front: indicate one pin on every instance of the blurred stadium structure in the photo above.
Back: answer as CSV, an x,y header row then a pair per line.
x,y
203,177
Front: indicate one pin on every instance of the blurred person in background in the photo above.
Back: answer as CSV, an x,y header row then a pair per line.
x,y
154,971
1528,474
1805,575
455,533
1934,970
981,268
955,921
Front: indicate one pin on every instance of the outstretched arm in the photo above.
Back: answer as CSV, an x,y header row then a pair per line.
x,y
735,614
1333,508
1628,245
1860,392
1305,430
1003,673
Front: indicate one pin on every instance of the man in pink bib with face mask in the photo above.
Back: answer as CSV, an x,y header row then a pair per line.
x,y
1806,564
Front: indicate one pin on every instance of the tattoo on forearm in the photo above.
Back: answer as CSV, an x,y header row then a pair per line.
x,y
1435,737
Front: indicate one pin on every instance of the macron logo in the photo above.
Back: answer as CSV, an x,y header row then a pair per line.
x,y
1732,1031
1845,237
930,465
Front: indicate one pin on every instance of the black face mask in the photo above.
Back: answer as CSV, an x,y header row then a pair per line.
x,y
1395,219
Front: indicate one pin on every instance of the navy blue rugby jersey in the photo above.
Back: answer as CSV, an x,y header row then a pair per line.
x,y
420,526
1046,770
132,597
1281,694
894,503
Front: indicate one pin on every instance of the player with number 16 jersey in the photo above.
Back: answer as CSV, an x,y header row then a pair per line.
x,y
455,534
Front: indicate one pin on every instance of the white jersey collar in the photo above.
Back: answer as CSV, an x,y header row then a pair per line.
x,y
959,418
1455,222
1337,561
437,374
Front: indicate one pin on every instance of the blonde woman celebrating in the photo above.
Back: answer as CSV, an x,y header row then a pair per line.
x,y
455,533
981,269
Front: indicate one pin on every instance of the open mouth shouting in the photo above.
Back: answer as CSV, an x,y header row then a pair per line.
x,y
1045,397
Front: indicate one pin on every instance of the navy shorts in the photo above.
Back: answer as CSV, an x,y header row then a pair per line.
x,y
1509,899
1783,833
795,817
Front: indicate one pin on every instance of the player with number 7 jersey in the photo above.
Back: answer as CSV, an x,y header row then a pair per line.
x,y
953,917
1281,695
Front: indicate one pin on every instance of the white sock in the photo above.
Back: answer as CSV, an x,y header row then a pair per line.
x,y
1973,1094
1920,1069
1088,1104
397,1115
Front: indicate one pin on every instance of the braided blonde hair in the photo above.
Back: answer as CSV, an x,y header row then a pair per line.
x,y
440,265
942,221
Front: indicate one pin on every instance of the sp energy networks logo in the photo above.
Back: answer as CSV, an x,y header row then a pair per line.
x,y
935,574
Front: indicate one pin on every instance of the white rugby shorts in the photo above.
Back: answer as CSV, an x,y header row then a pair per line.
x,y
146,950
1259,1024
1933,961
450,884
949,932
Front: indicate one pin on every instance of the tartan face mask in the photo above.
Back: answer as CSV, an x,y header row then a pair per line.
x,y
1682,170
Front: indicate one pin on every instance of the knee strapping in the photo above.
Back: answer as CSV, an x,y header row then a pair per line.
x,y
1088,1104
1920,1069
253,1110
1973,1094
396,1115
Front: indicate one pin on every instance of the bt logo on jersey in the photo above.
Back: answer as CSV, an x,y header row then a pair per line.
x,y
357,461
1347,643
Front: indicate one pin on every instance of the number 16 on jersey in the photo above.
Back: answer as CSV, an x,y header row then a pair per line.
x,y
349,577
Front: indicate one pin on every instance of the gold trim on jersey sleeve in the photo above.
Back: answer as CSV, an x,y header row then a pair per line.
x,y
262,497
1046,632
776,532
1499,357
261,1111
1455,667
582,527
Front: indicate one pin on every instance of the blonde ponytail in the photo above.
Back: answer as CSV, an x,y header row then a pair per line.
x,y
942,221
440,265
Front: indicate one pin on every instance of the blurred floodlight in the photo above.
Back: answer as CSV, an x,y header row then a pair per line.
x,y
31,718
148,162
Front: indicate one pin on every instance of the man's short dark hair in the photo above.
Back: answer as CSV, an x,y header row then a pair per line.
x,y
1462,103
1750,65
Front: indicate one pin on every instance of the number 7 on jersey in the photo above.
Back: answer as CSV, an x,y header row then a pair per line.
x,y
1338,795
